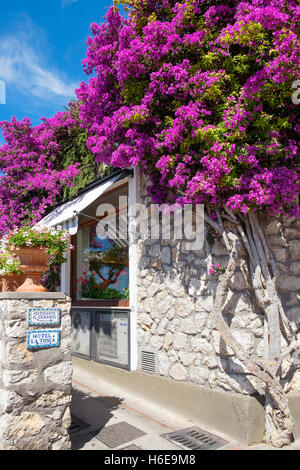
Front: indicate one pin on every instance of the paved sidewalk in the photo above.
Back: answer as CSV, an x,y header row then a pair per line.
x,y
107,418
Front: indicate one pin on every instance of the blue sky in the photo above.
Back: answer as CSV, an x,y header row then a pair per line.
x,y
42,44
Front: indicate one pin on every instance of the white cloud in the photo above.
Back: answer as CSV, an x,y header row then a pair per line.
x,y
25,69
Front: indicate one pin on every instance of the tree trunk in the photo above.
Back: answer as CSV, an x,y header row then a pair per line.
x,y
263,272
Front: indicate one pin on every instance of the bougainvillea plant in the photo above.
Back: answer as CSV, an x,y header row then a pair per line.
x,y
42,165
31,181
216,269
197,94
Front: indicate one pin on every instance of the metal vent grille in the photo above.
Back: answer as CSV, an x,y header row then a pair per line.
x,y
195,439
148,362
118,434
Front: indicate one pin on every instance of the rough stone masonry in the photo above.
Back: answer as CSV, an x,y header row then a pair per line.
x,y
35,384
175,303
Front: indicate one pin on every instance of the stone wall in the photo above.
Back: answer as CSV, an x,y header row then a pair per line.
x,y
35,384
175,299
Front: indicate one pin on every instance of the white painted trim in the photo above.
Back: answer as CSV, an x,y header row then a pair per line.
x,y
133,198
67,211
65,285
66,275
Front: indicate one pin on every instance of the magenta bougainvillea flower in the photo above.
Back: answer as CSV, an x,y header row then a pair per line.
x,y
195,93
198,95
32,181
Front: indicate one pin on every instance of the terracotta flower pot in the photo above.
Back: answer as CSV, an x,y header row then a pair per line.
x,y
11,282
33,264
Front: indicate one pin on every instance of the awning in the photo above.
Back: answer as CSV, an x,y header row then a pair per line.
x,y
66,214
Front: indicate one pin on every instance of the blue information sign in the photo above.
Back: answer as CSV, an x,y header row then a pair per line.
x,y
43,339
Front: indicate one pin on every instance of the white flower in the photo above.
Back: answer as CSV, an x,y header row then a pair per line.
x,y
37,229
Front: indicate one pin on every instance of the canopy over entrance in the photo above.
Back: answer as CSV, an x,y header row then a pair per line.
x,y
66,214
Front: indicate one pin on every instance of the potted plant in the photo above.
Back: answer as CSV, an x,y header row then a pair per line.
x,y
11,276
37,248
